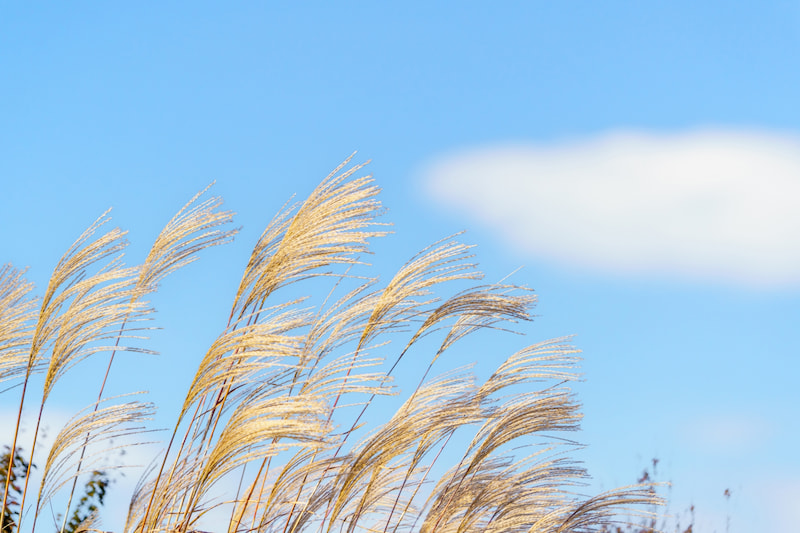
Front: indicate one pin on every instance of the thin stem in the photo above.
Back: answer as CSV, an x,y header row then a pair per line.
x,y
330,416
416,490
14,447
419,485
96,406
215,416
367,404
183,443
158,477
264,462
27,478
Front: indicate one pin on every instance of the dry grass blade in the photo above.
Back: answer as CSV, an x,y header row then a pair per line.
x,y
153,506
377,495
16,329
193,228
441,262
524,414
483,307
243,354
467,506
283,497
259,427
545,361
490,302
528,493
69,271
104,424
601,509
339,324
281,388
343,322
97,308
337,378
437,409
138,502
473,309
330,227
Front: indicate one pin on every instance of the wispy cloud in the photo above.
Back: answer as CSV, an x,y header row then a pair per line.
x,y
706,205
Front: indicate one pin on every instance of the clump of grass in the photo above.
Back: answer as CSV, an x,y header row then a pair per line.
x,y
280,398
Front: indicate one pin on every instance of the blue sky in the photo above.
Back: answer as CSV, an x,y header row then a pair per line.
x,y
640,160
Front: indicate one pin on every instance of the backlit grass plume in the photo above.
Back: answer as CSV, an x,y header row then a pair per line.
x,y
285,427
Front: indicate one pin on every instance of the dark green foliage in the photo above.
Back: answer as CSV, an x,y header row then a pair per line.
x,y
18,471
94,492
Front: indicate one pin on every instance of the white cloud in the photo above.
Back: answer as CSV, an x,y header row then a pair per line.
x,y
705,205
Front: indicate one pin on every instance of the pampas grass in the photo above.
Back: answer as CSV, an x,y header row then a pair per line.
x,y
280,399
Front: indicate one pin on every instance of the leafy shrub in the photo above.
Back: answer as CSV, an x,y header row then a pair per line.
x,y
14,471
